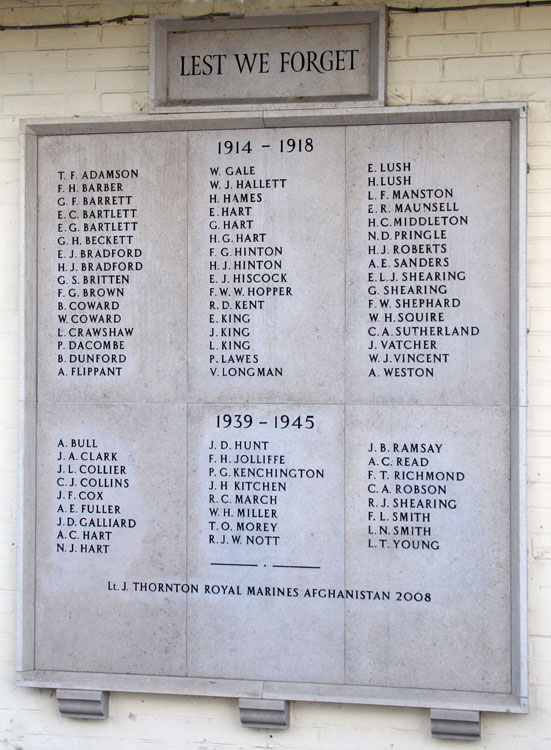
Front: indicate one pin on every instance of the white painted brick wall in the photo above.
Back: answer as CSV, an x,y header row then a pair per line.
x,y
442,57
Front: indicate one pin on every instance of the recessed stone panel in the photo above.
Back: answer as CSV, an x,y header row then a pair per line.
x,y
110,538
268,540
320,61
432,531
112,253
428,264
323,56
266,264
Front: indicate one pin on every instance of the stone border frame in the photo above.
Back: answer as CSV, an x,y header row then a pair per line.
x,y
374,16
32,130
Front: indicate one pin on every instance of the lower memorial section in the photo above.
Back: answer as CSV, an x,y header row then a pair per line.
x,y
323,544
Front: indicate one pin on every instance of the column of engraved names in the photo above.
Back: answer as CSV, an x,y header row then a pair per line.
x,y
410,485
92,497
414,273
252,480
97,221
244,497
246,266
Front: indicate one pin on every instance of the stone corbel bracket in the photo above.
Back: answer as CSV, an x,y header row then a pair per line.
x,y
264,714
83,704
451,724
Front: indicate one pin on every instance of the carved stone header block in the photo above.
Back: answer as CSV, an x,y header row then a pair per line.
x,y
329,55
273,409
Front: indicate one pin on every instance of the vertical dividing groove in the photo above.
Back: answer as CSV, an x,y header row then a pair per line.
x,y
345,130
35,364
515,358
186,151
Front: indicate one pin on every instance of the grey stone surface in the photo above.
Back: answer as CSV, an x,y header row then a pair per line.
x,y
260,542
111,527
432,531
455,725
428,264
303,528
111,234
273,254
328,55
264,714
83,704
217,64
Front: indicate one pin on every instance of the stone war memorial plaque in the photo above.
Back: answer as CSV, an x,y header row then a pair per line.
x,y
273,407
